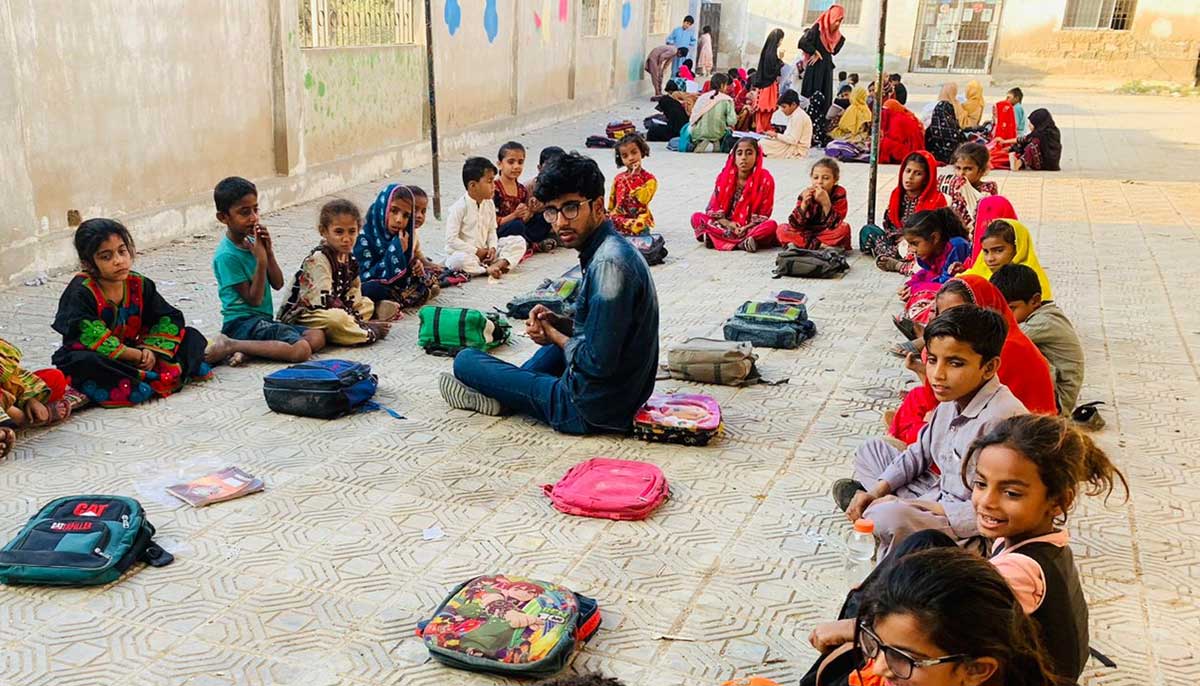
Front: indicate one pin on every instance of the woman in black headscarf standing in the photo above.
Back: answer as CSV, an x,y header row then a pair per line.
x,y
820,43
766,80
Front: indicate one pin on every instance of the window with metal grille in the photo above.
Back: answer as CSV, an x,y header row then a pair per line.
x,y
596,16
814,8
660,16
356,23
1099,14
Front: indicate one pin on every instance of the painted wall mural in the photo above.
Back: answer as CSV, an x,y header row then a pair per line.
x,y
491,20
452,16
626,14
541,20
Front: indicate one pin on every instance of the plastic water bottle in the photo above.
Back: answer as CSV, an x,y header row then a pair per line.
x,y
860,548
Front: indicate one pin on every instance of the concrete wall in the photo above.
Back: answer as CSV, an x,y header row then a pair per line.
x,y
135,110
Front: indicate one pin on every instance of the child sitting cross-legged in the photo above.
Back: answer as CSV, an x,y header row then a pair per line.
x,y
516,210
471,239
246,271
938,240
395,272
819,218
632,189
28,398
326,292
917,191
123,344
1025,475
965,189
1048,327
904,491
1006,241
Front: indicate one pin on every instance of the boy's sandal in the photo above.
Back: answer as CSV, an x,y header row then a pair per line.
x,y
8,441
1088,415
904,349
906,326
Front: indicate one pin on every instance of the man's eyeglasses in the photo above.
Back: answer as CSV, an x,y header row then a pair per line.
x,y
899,662
569,211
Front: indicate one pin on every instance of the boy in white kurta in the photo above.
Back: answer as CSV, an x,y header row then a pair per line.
x,y
471,242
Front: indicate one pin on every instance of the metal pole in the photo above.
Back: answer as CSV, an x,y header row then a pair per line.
x,y
433,119
875,114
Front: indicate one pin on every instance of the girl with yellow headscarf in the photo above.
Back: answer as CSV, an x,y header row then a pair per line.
x,y
850,126
973,107
1007,241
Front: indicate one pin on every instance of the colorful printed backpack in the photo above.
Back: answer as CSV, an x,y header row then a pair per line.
x,y
678,418
509,625
82,540
609,489
770,325
447,330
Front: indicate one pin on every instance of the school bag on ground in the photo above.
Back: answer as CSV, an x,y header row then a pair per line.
x,y
728,363
609,489
652,246
81,540
509,625
558,295
678,418
447,330
770,325
320,388
825,263
600,142
619,129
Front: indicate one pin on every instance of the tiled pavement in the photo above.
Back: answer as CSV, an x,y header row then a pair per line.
x,y
320,579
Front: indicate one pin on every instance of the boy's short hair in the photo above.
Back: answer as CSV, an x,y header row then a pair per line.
x,y
682,52
841,76
830,164
894,77
854,76
418,192
1017,94
1017,282
982,329
582,680
689,20
550,152
230,190
733,73
475,168
845,89
672,87
718,81
571,173
511,145
789,97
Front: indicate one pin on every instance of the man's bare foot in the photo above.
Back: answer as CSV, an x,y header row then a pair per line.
x,y
504,265
219,351
381,329
387,311
494,271
8,440
236,359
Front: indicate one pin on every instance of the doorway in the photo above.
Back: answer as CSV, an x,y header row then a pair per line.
x,y
956,36
710,15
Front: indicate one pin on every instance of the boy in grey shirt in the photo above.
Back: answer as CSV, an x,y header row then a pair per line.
x,y
1047,327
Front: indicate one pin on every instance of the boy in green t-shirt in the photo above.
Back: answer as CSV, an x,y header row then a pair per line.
x,y
246,271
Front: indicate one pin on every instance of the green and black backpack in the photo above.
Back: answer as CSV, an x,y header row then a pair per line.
x,y
447,330
82,540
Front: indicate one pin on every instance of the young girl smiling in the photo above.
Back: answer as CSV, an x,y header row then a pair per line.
x,y
632,189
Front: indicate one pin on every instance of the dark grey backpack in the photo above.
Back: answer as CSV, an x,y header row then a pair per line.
x,y
814,264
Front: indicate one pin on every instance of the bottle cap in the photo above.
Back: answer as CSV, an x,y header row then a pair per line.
x,y
864,526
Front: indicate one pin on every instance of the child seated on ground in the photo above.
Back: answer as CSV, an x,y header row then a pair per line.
x,y
1016,97
796,138
819,218
632,189
739,211
712,117
471,241
326,292
29,398
123,344
685,71
922,487
1049,329
945,617
394,271
1007,241
938,240
916,192
1027,473
966,188
514,206
246,272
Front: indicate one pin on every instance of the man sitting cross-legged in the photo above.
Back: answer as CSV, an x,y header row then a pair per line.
x,y
592,373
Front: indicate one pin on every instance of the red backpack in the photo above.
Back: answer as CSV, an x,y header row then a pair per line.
x,y
609,489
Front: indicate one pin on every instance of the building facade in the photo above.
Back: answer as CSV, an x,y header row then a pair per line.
x,y
134,110
1103,43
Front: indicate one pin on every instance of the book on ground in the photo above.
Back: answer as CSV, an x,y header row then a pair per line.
x,y
225,484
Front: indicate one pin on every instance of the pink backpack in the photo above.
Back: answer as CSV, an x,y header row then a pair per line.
x,y
609,489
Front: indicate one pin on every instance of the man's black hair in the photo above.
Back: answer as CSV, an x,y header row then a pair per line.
x,y
475,168
982,329
789,97
548,153
231,190
1017,282
571,173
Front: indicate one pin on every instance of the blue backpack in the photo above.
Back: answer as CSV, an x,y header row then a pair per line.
x,y
324,389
